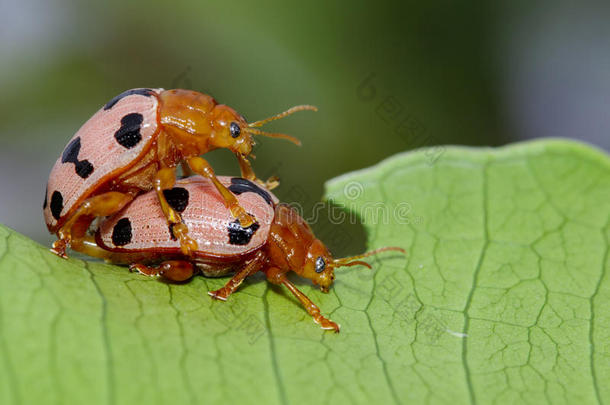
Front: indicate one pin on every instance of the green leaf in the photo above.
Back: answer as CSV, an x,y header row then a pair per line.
x,y
503,296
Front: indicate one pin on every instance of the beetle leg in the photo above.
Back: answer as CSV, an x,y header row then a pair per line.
x,y
276,276
88,246
165,179
203,168
250,268
248,173
75,228
272,182
186,170
172,270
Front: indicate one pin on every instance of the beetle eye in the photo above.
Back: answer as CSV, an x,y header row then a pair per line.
x,y
235,129
320,264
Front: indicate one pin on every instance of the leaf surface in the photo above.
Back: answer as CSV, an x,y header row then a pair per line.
x,y
504,296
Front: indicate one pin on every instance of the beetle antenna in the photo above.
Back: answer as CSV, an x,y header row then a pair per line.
x,y
355,263
353,260
283,114
273,135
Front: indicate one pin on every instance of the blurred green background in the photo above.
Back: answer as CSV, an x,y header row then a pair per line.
x,y
387,77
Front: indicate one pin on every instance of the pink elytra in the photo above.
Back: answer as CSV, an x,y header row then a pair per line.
x,y
104,148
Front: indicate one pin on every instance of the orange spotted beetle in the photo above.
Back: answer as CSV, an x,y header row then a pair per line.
x,y
133,144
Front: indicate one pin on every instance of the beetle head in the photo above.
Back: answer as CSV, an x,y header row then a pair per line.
x,y
228,130
231,131
320,266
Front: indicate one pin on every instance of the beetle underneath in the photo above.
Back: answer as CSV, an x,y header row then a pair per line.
x,y
281,242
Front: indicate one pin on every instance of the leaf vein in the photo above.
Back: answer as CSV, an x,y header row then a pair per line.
x,y
111,397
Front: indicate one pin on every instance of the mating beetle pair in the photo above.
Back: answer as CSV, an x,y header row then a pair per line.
x,y
121,165
132,145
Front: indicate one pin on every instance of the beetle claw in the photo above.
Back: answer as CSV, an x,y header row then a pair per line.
x,y
218,294
270,183
327,324
59,248
188,245
245,220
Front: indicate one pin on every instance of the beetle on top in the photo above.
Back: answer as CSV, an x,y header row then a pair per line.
x,y
133,144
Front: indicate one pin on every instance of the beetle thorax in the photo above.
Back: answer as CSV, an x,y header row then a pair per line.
x,y
185,116
197,124
289,239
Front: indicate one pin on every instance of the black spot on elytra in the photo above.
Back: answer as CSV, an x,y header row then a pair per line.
x,y
46,193
57,204
82,167
177,198
239,235
141,92
129,135
121,233
239,185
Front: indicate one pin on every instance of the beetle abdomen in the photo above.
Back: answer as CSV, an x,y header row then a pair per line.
x,y
214,270
110,142
142,226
